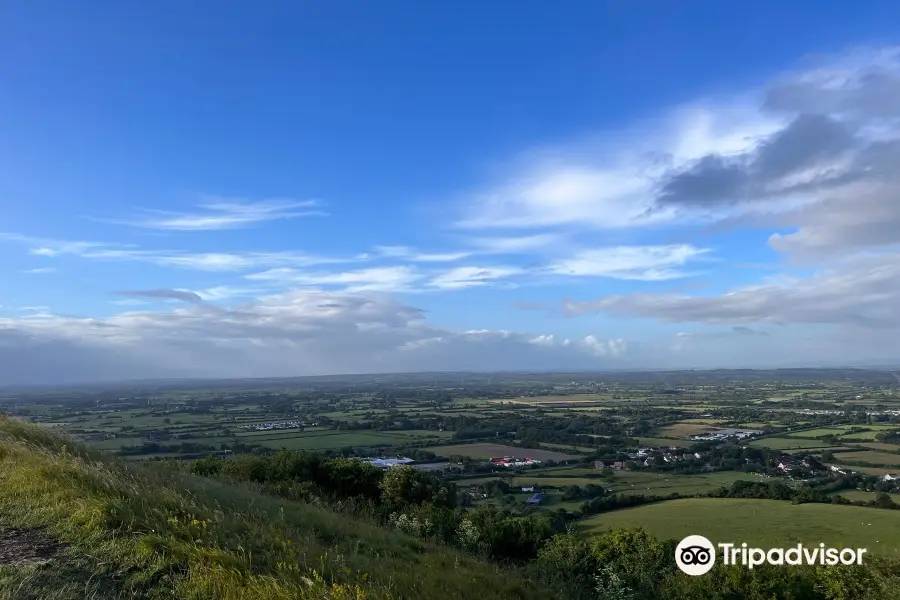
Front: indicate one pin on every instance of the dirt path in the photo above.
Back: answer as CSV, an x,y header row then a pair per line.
x,y
22,546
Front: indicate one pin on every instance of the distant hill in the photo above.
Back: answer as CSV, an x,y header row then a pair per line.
x,y
454,379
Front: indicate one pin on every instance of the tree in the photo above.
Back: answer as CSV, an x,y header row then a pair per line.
x,y
403,486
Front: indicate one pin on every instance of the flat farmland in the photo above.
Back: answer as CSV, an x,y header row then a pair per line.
x,y
878,471
784,443
814,433
818,450
862,496
530,480
487,451
882,446
540,400
654,442
330,440
333,442
570,472
661,484
765,523
861,436
871,457
686,429
566,447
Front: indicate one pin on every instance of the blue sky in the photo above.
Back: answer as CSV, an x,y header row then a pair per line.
x,y
227,189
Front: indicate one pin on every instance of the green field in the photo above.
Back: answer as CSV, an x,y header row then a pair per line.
x,y
868,470
652,484
863,496
814,433
871,457
785,443
654,442
766,523
529,480
882,446
566,447
861,435
486,451
686,429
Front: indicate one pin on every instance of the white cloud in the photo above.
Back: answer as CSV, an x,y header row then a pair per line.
x,y
543,340
589,344
466,277
515,244
613,347
49,247
225,292
813,150
406,253
40,271
387,279
563,195
646,263
861,291
223,213
200,261
296,333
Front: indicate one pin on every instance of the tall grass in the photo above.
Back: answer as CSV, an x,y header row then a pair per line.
x,y
137,531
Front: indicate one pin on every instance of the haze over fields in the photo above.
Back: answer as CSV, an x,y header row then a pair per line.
x,y
313,190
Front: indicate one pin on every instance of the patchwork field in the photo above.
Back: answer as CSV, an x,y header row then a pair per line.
x,y
638,482
766,523
686,429
540,400
860,435
566,447
654,442
814,433
877,471
486,451
872,457
862,496
882,446
786,443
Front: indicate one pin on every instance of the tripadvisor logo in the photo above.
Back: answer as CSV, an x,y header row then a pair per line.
x,y
696,555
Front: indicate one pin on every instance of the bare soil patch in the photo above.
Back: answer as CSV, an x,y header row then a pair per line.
x,y
20,547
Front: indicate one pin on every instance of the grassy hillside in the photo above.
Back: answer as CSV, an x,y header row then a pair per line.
x,y
769,523
77,524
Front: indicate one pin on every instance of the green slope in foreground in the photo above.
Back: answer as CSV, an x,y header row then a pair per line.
x,y
763,523
77,524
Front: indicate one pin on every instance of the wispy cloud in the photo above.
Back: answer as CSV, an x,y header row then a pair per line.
x,y
386,279
129,302
412,255
646,263
40,246
466,277
861,291
163,294
222,213
40,271
201,261
514,244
